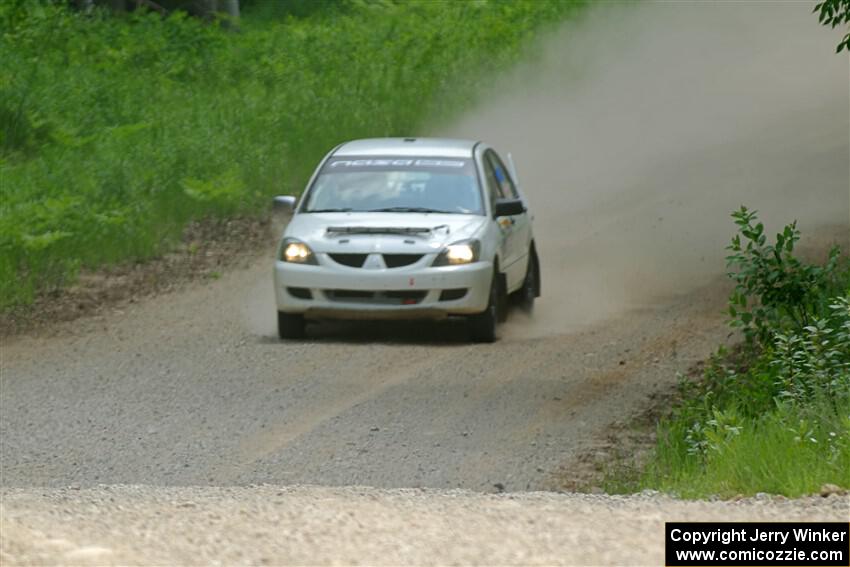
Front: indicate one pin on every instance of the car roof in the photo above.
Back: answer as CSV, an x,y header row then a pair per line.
x,y
414,147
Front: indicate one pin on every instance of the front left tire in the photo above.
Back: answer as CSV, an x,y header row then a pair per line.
x,y
290,325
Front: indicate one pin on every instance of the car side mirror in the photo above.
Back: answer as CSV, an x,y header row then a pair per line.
x,y
284,204
509,207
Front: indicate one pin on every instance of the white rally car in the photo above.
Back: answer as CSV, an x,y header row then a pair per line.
x,y
406,228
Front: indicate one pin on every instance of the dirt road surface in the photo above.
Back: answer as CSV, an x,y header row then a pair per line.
x,y
139,435
194,388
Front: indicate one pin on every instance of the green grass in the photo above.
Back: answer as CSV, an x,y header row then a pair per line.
x,y
782,452
118,130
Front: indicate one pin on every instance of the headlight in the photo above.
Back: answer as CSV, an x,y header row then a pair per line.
x,y
296,252
464,252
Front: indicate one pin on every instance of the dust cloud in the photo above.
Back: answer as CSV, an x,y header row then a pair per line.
x,y
638,129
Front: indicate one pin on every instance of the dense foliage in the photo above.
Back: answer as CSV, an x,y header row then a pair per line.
x,y
118,129
775,416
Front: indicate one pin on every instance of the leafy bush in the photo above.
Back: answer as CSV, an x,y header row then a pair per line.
x,y
115,131
774,416
816,362
773,288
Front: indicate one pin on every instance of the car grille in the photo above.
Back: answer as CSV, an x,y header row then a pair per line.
x,y
399,260
352,260
390,260
401,297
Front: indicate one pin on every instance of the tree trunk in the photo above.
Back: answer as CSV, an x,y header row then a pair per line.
x,y
231,8
208,8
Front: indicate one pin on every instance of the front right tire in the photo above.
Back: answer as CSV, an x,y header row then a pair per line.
x,y
531,285
290,325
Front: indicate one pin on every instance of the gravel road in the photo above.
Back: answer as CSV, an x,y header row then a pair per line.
x,y
179,430
302,525
193,388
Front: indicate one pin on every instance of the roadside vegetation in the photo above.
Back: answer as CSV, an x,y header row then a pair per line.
x,y
116,130
774,415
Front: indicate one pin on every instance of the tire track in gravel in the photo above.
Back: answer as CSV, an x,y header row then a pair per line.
x,y
275,437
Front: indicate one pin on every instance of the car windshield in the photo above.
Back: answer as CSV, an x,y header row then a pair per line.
x,y
393,184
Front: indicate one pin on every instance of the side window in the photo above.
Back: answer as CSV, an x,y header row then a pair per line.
x,y
506,184
494,190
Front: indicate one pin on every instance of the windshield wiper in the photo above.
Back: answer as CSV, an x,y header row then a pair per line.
x,y
407,210
347,210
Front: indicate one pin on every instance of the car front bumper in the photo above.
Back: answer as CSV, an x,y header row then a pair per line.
x,y
318,291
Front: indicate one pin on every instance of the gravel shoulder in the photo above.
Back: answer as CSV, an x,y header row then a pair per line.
x,y
298,525
207,249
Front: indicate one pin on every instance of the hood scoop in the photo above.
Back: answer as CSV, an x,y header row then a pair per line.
x,y
406,231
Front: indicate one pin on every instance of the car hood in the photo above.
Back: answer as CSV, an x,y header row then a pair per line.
x,y
382,232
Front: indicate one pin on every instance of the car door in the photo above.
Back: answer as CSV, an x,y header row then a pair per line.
x,y
517,227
